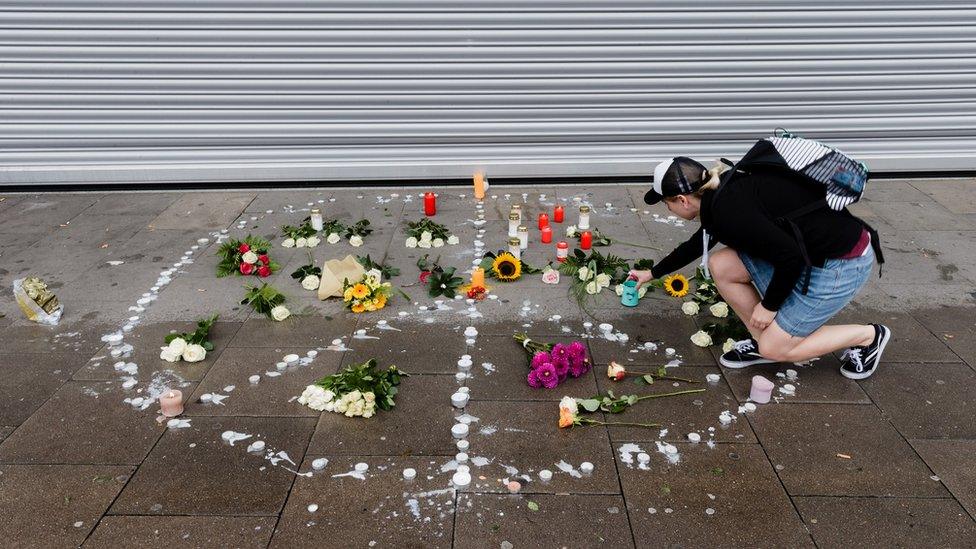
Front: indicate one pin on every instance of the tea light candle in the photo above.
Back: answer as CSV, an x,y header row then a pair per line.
x,y
562,252
546,235
586,240
171,403
558,214
478,277
460,430
410,473
523,236
545,475
430,204
586,467
543,220
461,479
316,219
459,400
513,224
762,390
515,247
584,218
463,445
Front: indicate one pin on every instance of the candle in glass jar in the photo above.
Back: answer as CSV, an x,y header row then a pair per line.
x,y
543,220
586,240
584,218
479,185
171,403
562,251
478,278
517,209
515,247
558,214
546,236
316,219
430,204
513,225
523,236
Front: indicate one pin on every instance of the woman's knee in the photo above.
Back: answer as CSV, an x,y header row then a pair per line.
x,y
775,347
725,266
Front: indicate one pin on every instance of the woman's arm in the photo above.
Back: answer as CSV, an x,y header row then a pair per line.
x,y
685,253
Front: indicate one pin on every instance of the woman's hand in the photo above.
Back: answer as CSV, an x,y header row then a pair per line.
x,y
761,317
642,277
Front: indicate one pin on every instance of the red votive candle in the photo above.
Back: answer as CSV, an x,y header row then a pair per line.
x,y
562,251
558,214
546,234
586,240
543,220
430,204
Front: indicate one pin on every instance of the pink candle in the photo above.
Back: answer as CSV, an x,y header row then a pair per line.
x,y
762,390
171,403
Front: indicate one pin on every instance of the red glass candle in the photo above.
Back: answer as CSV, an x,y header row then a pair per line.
x,y
562,251
543,220
558,214
430,204
546,234
586,240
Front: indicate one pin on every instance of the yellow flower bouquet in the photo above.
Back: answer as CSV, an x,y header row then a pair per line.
x,y
366,294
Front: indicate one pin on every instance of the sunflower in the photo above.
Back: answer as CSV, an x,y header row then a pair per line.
x,y
361,290
676,285
506,267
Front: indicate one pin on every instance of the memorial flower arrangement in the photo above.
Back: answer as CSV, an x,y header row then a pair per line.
x,y
590,274
727,326
302,236
309,274
386,271
505,267
357,391
357,232
570,409
190,346
245,257
367,294
333,229
550,365
439,281
267,301
427,233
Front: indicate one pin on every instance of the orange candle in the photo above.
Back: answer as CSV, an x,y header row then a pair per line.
x,y
479,185
478,277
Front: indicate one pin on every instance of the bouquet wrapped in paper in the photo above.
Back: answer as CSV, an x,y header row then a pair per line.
x,y
38,303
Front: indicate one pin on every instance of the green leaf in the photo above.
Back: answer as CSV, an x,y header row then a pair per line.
x,y
533,506
648,379
590,404
208,346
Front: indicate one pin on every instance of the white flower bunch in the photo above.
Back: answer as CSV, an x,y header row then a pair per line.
x,y
571,231
317,398
352,404
288,243
595,282
179,348
427,241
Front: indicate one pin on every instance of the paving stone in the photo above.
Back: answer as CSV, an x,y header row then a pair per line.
x,y
804,440
894,190
955,326
409,351
272,396
817,381
954,462
666,330
517,435
951,251
490,520
295,201
910,342
133,202
146,340
217,478
956,195
42,213
203,210
68,337
919,215
61,515
5,431
85,423
309,332
936,404
907,296
382,510
29,380
191,298
398,432
668,503
679,415
163,532
886,522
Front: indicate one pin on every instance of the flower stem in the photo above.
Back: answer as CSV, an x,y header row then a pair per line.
x,y
676,393
645,246
584,421
655,376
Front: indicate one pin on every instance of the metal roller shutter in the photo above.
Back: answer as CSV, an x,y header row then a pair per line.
x,y
162,91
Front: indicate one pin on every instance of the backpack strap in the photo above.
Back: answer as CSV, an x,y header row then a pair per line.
x,y
790,220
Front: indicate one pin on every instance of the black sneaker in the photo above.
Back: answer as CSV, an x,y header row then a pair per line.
x,y
743,353
861,362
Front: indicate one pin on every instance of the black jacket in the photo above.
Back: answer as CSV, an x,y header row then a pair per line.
x,y
744,216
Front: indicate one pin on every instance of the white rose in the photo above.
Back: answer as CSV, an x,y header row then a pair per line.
x,y
177,345
425,236
619,289
280,313
168,355
603,280
424,244
642,291
355,241
301,242
330,406
719,310
369,411
310,282
249,257
592,287
341,406
375,274
308,392
453,240
288,243
411,242
369,397
584,273
701,339
569,403
194,353
312,241
571,230
689,308
438,242
333,238
354,396
727,346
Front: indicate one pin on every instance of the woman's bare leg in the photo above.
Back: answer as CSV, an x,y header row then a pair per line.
x,y
735,285
776,344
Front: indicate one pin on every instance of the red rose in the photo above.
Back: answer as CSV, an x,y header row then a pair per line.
x,y
424,275
264,271
263,258
243,248
246,268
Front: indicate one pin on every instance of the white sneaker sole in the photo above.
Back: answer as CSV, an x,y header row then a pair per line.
x,y
877,360
737,365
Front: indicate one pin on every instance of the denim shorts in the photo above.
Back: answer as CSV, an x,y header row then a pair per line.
x,y
832,287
